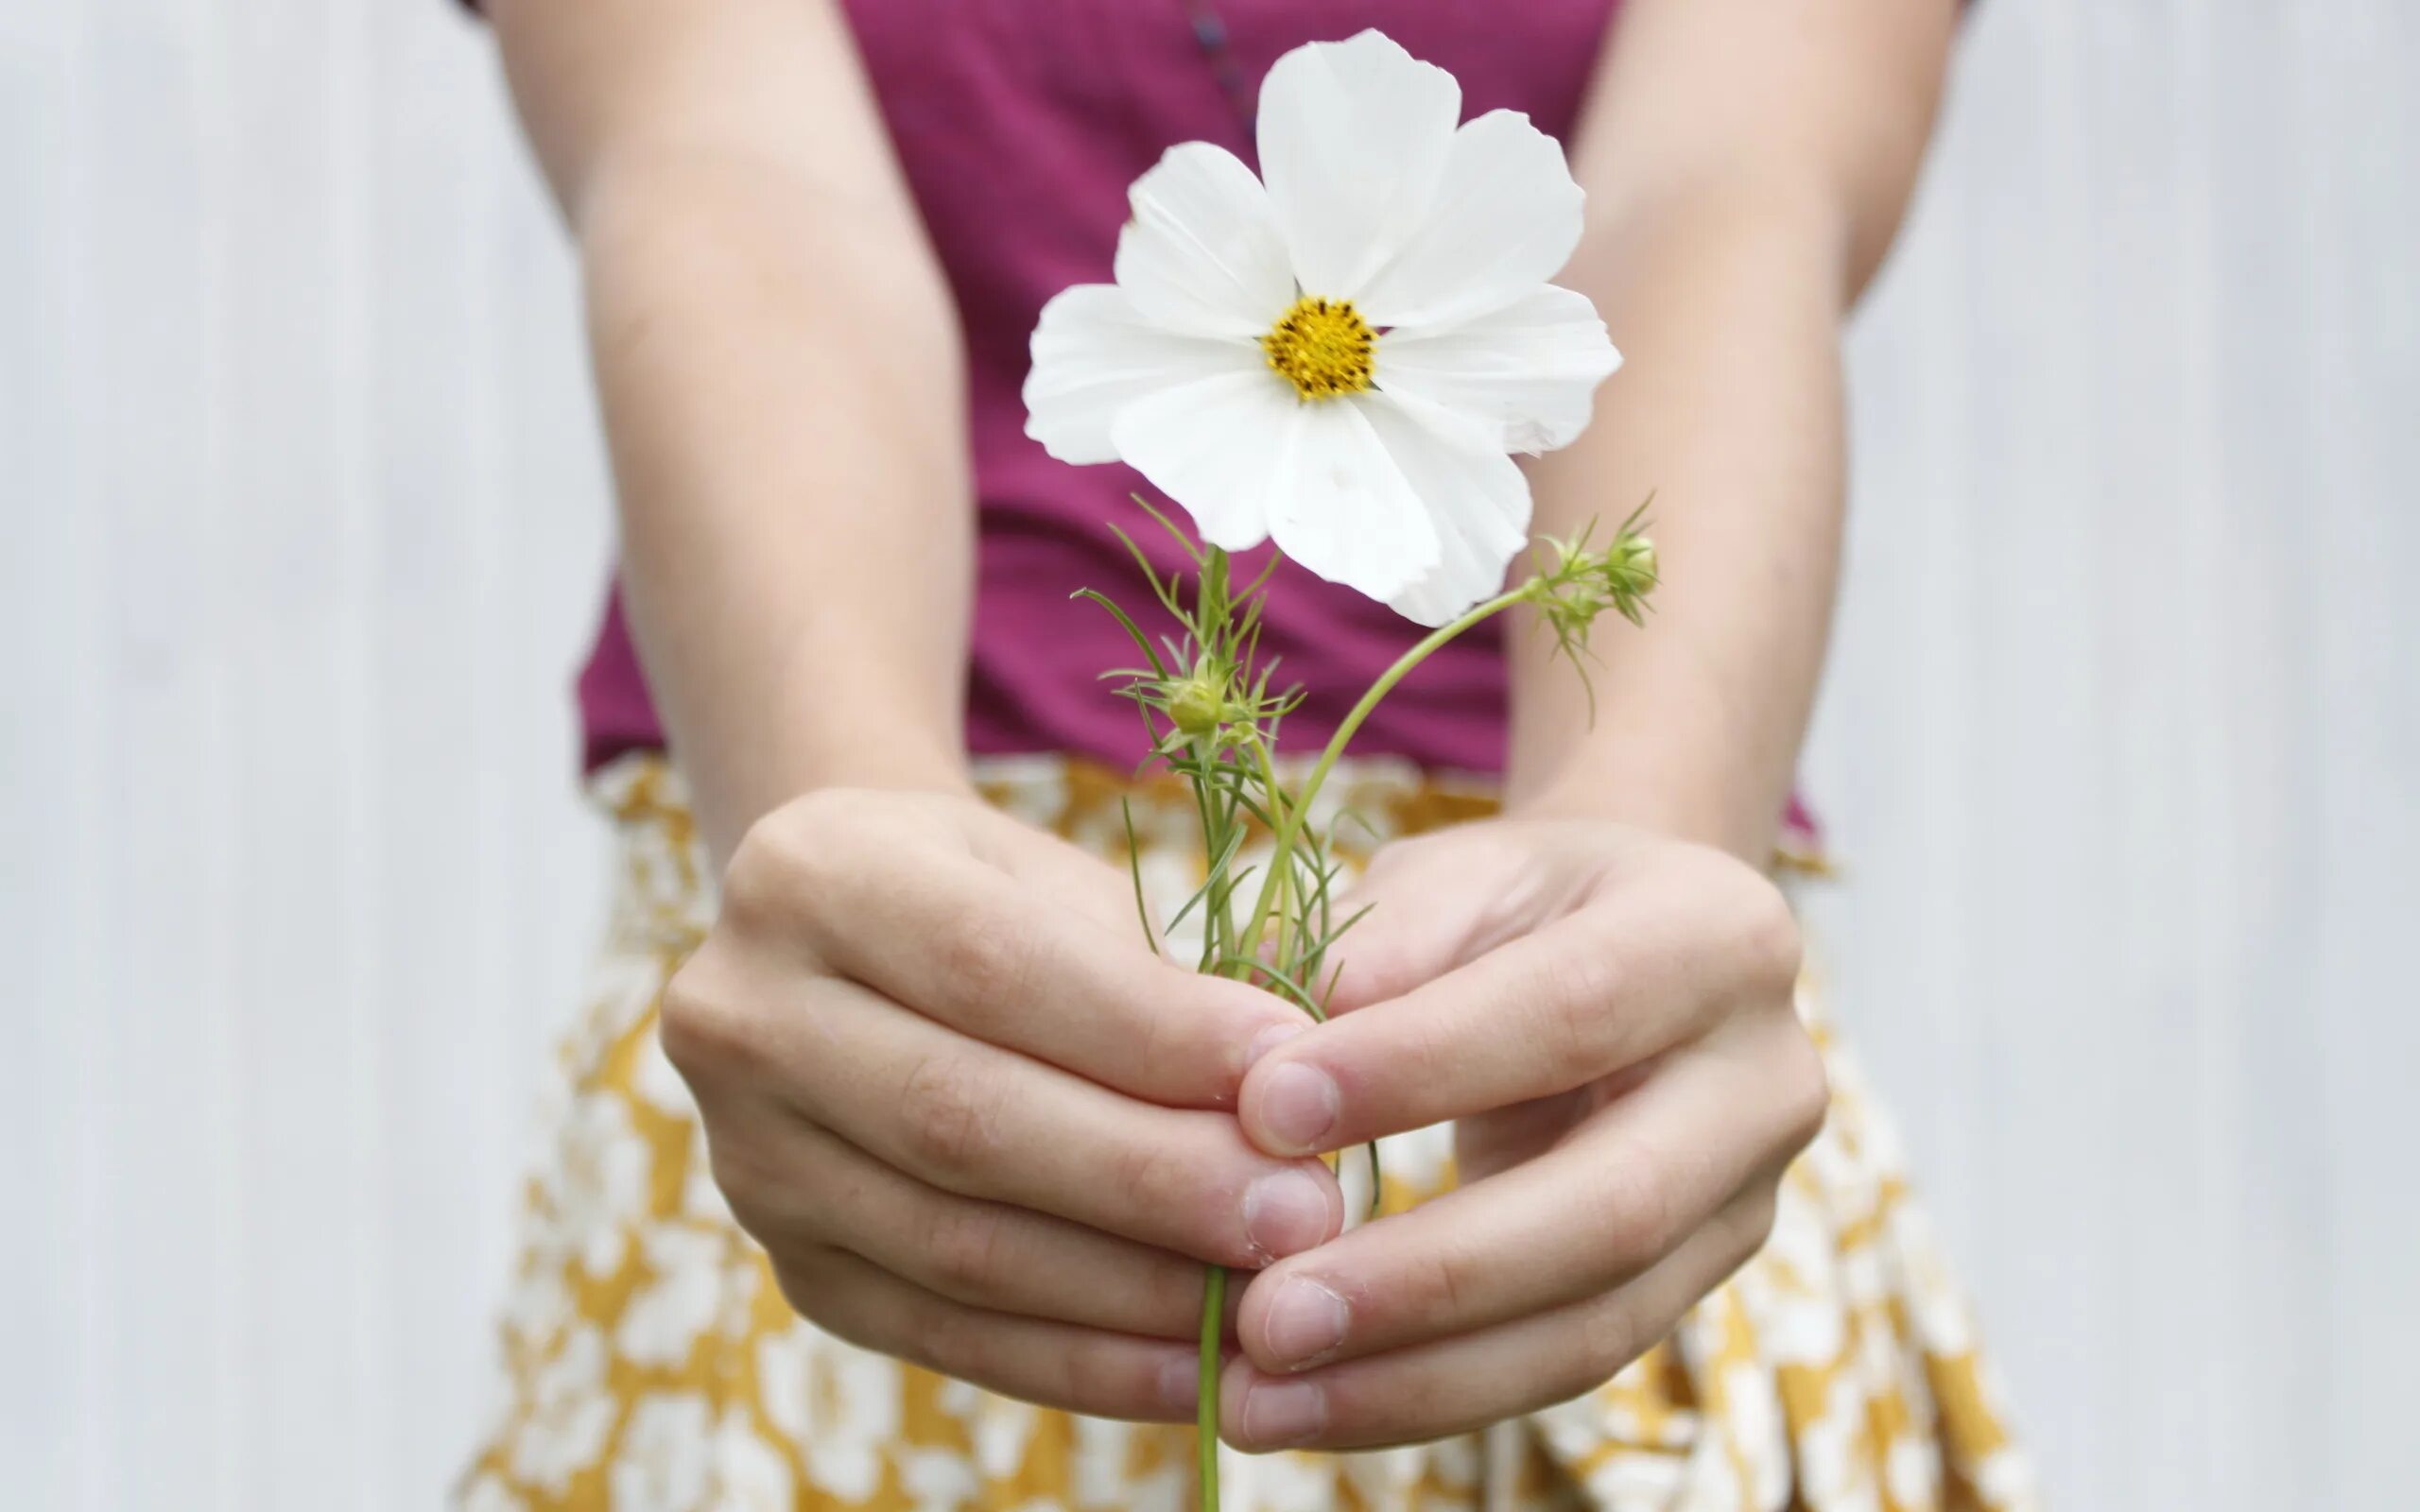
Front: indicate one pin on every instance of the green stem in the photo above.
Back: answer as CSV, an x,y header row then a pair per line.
x,y
1213,1287
1290,821
1206,1413
1211,608
1281,869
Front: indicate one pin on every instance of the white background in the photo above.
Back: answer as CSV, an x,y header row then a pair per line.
x,y
304,522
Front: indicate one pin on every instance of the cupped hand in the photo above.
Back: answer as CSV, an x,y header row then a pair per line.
x,y
1608,1015
974,1121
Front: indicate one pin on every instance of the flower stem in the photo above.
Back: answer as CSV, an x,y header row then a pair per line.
x,y
1281,808
1205,1412
1223,643
1220,727
1290,822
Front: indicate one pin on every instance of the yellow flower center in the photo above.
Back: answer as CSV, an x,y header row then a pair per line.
x,y
1323,347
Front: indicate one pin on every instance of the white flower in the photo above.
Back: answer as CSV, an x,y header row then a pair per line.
x,y
1339,360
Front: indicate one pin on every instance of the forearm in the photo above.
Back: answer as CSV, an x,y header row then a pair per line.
x,y
778,364
1728,411
784,412
1747,165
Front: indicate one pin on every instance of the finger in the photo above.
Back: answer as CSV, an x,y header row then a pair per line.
x,y
1101,893
930,925
810,1188
1625,1187
1053,1365
982,1121
1638,971
1430,904
1465,1382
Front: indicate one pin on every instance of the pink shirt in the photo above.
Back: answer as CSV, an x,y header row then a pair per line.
x,y
1020,123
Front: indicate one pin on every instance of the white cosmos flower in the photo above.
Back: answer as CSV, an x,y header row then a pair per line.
x,y
1340,359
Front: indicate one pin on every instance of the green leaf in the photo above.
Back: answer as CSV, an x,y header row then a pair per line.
x,y
1288,987
1126,622
1134,869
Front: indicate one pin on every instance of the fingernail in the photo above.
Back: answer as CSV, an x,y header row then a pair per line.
x,y
1279,1415
1298,1106
1305,1322
1181,1383
1269,1040
1285,1212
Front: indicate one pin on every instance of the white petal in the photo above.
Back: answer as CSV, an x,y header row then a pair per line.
x,y
1094,354
1474,495
1505,220
1528,371
1202,254
1216,446
1349,509
1354,136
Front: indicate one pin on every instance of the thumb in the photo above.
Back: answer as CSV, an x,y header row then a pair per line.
x,y
1422,912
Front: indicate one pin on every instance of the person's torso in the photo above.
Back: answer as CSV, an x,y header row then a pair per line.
x,y
1020,125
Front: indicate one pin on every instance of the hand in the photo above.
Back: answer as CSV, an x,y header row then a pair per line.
x,y
1608,1014
976,1123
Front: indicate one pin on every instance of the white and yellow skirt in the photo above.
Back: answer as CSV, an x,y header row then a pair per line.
x,y
652,1364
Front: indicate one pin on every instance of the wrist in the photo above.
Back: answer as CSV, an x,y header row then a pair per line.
x,y
1666,751
1651,793
919,764
731,794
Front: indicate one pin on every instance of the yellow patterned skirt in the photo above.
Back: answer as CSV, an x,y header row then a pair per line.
x,y
652,1364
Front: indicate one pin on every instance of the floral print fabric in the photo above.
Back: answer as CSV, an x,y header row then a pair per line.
x,y
651,1363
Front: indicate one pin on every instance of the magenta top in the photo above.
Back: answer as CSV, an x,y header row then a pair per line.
x,y
1020,122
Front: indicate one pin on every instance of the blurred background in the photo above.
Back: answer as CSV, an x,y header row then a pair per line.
x,y
305,523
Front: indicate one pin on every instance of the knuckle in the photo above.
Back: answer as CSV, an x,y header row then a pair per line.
x,y
990,955
963,1244
1171,1291
949,1116
1611,1336
769,872
742,1180
1388,1410
1638,1216
1440,1286
1109,1381
1172,1045
1427,1406
788,1197
1804,1098
794,855
1769,935
943,1337
808,1283
1423,1052
1150,1180
1754,1226
1591,979
702,1022
1575,1010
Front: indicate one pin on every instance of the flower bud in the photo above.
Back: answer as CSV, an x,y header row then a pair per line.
x,y
1195,706
1629,567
